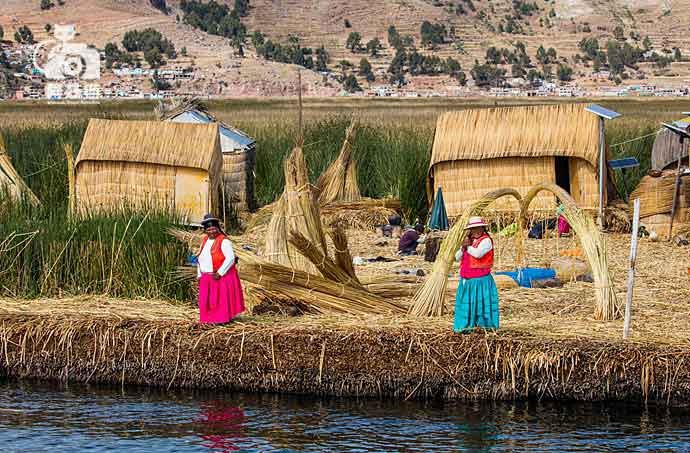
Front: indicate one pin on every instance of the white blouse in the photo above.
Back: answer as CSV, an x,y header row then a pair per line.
x,y
480,250
205,261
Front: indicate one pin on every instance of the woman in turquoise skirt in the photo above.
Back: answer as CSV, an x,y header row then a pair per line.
x,y
476,301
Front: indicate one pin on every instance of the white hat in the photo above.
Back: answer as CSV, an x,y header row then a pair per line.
x,y
475,221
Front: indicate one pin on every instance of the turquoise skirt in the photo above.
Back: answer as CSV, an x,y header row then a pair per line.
x,y
476,304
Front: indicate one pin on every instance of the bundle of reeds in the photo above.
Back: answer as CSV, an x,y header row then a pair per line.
x,y
655,194
321,294
339,181
295,212
429,300
593,245
364,214
617,217
326,266
10,182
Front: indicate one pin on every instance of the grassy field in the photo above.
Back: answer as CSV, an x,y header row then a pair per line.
x,y
43,252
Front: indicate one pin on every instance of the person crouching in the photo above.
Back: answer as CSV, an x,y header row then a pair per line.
x,y
476,300
410,239
220,290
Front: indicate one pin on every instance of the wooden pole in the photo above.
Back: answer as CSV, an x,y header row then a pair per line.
x,y
631,270
602,170
72,195
299,94
676,188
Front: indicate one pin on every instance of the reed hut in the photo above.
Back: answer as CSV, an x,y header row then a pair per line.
x,y
668,148
152,165
478,151
239,154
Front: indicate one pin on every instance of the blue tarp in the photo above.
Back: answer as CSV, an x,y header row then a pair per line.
x,y
525,276
439,217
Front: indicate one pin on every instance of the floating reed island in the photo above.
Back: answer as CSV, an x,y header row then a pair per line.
x,y
549,345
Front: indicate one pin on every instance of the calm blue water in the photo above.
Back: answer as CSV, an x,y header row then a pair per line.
x,y
51,417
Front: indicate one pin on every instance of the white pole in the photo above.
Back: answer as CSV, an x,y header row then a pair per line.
x,y
602,173
631,270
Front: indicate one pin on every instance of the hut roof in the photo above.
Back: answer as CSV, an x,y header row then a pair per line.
x,y
152,142
535,131
239,138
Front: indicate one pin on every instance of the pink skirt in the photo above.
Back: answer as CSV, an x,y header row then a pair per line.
x,y
220,300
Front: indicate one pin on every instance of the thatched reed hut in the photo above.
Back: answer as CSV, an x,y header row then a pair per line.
x,y
239,154
147,164
477,151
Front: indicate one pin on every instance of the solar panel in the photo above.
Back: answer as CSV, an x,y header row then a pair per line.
x,y
678,129
602,112
626,162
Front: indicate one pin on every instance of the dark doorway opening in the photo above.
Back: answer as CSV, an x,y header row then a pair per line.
x,y
563,173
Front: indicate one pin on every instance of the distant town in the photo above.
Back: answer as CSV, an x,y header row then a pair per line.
x,y
127,82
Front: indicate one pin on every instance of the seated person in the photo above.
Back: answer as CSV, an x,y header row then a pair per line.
x,y
410,239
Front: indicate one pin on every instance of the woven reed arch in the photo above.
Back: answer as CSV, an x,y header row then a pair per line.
x,y
429,299
593,244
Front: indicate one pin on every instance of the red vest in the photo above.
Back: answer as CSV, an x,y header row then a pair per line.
x,y
472,267
217,256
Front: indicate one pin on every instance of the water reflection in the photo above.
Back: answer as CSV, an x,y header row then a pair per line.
x,y
77,418
221,426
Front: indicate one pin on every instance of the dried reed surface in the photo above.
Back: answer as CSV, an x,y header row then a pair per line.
x,y
339,181
533,131
429,299
593,245
380,356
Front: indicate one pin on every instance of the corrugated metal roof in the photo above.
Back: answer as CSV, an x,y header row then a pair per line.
x,y
240,139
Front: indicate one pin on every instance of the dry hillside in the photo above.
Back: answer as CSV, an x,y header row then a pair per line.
x,y
322,22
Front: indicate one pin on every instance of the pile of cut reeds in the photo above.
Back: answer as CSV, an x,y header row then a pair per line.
x,y
617,217
655,194
339,181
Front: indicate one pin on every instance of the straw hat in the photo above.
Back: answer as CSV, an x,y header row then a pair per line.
x,y
474,222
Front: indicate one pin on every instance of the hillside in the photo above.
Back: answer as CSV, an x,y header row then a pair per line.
x,y
560,24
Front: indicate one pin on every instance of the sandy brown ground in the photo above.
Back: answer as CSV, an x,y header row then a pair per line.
x,y
661,306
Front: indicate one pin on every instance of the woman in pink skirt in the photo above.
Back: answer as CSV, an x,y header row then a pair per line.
x,y
220,291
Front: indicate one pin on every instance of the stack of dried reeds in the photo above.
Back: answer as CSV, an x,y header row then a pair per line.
x,y
274,282
429,300
10,182
295,212
655,194
617,217
339,182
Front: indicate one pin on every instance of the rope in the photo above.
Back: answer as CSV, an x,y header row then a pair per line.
x,y
635,139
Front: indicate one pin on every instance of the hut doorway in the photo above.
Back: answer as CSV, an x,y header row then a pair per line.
x,y
563,172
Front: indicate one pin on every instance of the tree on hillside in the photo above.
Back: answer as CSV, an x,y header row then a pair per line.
x,y
2,33
322,59
373,47
487,75
24,35
366,71
160,5
153,57
493,56
354,41
677,55
647,43
393,37
432,33
46,4
242,7
619,33
350,84
565,73
48,28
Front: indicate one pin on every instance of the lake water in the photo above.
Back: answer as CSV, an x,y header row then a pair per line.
x,y
54,417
